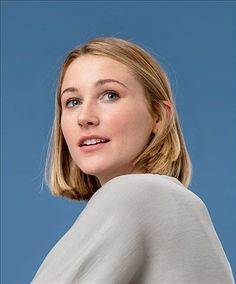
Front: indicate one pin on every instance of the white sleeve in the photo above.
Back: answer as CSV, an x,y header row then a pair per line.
x,y
109,242
104,246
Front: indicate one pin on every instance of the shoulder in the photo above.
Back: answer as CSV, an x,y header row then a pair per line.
x,y
140,199
136,190
115,202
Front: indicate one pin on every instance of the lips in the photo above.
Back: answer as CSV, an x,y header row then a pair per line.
x,y
84,138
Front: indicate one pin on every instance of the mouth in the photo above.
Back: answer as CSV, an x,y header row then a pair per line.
x,y
95,143
92,142
93,147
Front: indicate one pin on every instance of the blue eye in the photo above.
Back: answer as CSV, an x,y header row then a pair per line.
x,y
111,95
76,101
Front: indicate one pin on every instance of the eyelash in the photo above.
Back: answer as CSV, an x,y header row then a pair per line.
x,y
107,92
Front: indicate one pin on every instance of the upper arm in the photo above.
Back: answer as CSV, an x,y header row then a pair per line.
x,y
109,242
105,244
109,248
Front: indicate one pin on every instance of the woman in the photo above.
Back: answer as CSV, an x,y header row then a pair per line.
x,y
118,145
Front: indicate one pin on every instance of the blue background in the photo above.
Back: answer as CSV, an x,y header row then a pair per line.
x,y
194,41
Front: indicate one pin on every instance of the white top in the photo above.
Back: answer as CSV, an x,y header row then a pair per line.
x,y
139,229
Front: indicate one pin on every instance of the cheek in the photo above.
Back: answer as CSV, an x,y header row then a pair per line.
x,y
66,128
130,124
118,121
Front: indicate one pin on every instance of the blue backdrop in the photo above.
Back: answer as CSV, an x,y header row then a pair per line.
x,y
194,41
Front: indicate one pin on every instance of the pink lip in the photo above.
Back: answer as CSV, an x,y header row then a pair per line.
x,y
83,138
93,147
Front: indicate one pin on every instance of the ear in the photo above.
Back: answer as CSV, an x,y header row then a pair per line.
x,y
170,109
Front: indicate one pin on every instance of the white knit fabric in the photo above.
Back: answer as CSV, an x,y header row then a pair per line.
x,y
139,229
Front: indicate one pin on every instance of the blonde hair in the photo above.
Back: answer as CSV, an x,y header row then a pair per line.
x,y
166,152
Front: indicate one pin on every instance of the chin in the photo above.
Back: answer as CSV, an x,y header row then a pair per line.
x,y
93,171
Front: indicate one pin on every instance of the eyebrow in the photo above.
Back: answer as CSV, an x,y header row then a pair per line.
x,y
98,83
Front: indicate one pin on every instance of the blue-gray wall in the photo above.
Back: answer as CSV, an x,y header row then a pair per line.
x,y
196,44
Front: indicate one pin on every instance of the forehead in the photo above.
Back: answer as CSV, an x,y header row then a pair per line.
x,y
90,67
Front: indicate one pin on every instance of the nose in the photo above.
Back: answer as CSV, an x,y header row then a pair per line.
x,y
87,115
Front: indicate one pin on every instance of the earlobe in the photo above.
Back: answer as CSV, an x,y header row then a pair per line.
x,y
154,131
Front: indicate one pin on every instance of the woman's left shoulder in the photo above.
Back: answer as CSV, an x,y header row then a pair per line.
x,y
141,187
135,190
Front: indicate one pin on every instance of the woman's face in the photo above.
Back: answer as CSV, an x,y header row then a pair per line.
x,y
100,97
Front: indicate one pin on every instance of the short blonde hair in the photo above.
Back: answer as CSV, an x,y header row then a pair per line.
x,y
166,152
